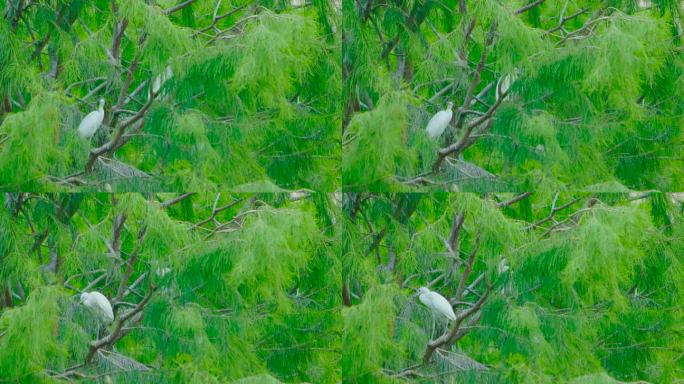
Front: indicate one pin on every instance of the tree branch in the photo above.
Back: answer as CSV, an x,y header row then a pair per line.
x,y
178,7
129,265
455,333
117,140
468,269
528,7
514,200
178,199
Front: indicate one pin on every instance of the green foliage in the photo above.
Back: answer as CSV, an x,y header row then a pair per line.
x,y
33,144
28,340
367,335
591,101
246,94
379,135
238,291
592,294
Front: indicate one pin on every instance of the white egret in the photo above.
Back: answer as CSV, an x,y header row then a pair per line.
x,y
503,86
437,303
503,266
162,271
162,78
645,4
440,121
99,303
91,122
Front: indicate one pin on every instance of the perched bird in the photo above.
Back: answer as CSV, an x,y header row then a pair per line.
x,y
91,122
162,271
99,303
645,4
162,78
503,266
440,121
503,86
437,303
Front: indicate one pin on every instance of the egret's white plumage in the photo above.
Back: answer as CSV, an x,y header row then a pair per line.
x,y
99,303
163,271
90,124
503,266
645,4
439,122
162,78
503,86
436,302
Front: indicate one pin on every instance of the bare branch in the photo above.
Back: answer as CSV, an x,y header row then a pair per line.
x,y
554,210
528,7
563,20
173,201
514,200
460,114
178,7
129,265
468,269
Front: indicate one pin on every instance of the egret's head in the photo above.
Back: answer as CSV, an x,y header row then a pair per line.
x,y
84,297
423,290
102,102
450,105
